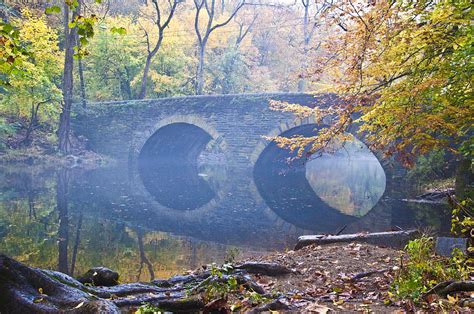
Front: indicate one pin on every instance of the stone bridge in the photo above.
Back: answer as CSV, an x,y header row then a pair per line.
x,y
226,167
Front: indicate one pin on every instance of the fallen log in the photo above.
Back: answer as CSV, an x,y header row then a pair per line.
x,y
395,239
31,290
269,269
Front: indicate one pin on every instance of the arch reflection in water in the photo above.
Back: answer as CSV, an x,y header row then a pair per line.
x,y
323,194
174,168
350,180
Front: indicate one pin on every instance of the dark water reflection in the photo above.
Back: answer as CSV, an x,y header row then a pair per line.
x,y
71,219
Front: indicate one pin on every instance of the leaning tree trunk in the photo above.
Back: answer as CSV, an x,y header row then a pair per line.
x,y
142,94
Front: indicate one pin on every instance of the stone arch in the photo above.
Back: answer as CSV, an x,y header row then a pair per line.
x,y
211,137
141,138
393,170
288,126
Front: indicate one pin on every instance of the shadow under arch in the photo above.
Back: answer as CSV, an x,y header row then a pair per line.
x,y
286,190
168,166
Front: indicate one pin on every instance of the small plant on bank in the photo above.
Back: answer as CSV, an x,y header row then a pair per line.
x,y
220,284
422,269
148,309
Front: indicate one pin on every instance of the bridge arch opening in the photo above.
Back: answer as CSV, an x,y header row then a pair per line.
x,y
323,193
174,166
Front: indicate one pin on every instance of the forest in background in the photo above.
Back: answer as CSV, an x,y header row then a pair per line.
x,y
262,47
402,66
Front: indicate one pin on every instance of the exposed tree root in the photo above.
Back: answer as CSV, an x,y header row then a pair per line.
x,y
447,287
31,290
369,273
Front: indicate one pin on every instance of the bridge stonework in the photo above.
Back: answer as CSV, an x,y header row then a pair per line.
x,y
236,124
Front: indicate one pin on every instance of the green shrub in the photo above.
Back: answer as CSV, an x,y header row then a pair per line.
x,y
422,269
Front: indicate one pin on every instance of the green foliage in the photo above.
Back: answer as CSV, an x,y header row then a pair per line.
x,y
6,129
230,74
148,309
427,168
114,61
462,221
13,51
35,94
219,286
423,269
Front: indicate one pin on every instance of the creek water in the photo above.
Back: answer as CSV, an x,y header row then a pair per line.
x,y
170,216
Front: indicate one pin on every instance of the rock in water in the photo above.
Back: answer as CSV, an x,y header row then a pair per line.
x,y
100,276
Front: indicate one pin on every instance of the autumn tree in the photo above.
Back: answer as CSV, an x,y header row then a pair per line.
x,y
210,25
70,33
402,70
161,21
33,95
114,61
313,10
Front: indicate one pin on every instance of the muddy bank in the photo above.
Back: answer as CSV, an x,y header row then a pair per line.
x,y
338,276
335,277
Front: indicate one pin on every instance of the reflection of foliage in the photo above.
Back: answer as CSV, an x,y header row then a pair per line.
x,y
30,239
29,232
351,183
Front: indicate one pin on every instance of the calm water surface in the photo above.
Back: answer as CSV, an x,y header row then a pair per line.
x,y
172,216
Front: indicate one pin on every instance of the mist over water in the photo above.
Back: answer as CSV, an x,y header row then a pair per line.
x,y
186,206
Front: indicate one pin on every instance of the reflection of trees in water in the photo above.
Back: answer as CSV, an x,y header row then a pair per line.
x,y
63,230
353,183
143,257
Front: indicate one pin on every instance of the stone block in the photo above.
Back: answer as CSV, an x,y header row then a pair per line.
x,y
445,245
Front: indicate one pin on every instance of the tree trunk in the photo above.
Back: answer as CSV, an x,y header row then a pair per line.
x,y
145,77
200,71
125,88
31,125
65,116
396,239
76,245
464,180
33,290
143,258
